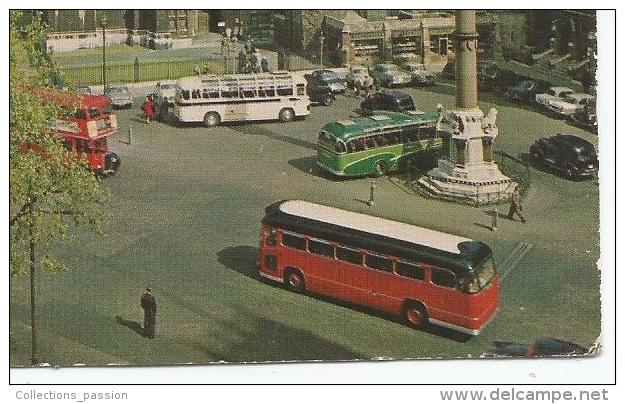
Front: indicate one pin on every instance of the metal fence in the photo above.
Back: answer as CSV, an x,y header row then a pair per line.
x,y
513,167
139,71
152,70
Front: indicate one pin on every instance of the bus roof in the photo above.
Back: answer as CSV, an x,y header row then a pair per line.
x,y
355,127
386,236
68,99
199,81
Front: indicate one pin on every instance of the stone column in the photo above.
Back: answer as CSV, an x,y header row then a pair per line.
x,y
465,44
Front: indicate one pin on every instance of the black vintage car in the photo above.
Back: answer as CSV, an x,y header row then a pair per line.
x,y
319,92
388,101
571,156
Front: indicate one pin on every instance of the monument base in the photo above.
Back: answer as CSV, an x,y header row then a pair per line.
x,y
476,184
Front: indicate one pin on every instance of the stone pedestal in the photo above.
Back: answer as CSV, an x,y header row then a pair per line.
x,y
468,173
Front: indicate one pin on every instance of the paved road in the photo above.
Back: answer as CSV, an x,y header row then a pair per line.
x,y
184,218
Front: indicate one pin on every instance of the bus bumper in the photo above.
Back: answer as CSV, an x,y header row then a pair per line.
x,y
330,170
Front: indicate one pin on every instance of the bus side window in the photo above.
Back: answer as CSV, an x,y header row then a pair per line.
x,y
272,237
370,143
443,277
249,92
213,92
410,134
359,145
293,241
195,94
378,262
409,270
205,93
285,91
427,132
340,147
321,248
185,94
301,89
392,138
350,146
270,91
349,255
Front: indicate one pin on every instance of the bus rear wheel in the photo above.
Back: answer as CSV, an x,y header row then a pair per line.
x,y
294,280
286,115
380,168
415,315
211,119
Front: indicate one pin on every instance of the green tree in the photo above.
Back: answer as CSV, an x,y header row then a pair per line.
x,y
50,190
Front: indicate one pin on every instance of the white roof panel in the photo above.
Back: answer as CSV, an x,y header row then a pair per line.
x,y
375,225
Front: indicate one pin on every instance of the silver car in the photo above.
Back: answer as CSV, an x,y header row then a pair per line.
x,y
389,75
119,94
420,75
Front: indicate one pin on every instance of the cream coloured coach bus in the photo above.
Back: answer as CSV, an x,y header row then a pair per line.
x,y
211,100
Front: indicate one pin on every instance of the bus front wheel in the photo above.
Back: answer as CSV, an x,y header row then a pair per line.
x,y
415,315
286,115
294,280
211,119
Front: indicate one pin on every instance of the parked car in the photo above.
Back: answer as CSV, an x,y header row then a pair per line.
x,y
419,74
540,347
571,156
319,92
329,79
83,90
552,94
586,117
164,98
389,75
569,105
119,94
357,73
389,101
526,90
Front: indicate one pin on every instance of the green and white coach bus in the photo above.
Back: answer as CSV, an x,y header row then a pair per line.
x,y
376,144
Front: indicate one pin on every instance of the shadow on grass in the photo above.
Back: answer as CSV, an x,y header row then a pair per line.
x,y
133,325
309,166
261,339
242,259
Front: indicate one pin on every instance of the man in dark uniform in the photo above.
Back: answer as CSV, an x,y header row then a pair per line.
x,y
148,302
515,205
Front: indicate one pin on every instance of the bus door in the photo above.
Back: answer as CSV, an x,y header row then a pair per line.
x,y
446,301
388,290
348,277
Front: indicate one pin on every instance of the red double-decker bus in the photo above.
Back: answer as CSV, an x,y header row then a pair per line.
x,y
85,125
422,275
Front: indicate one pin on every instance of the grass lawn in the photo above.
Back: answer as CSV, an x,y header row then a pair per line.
x,y
121,72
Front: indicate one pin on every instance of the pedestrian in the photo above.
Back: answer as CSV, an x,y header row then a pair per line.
x,y
255,59
148,302
196,70
515,205
265,65
242,61
148,109
238,26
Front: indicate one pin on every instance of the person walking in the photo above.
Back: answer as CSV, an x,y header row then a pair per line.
x,y
148,302
515,205
242,61
148,109
265,65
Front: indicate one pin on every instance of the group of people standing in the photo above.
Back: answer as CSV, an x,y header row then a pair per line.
x,y
250,60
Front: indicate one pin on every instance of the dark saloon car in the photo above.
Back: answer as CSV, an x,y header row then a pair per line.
x,y
388,101
318,92
543,347
526,90
572,156
327,78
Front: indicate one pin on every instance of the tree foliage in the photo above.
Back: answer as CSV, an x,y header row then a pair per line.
x,y
50,189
